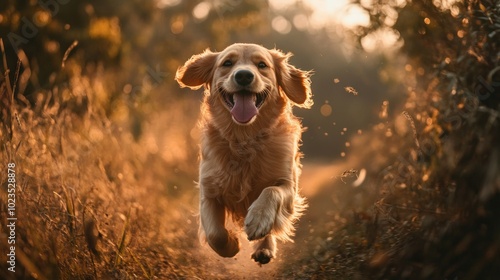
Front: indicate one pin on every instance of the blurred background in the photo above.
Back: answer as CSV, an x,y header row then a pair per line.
x,y
138,46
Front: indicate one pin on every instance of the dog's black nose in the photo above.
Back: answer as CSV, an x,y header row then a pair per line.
x,y
244,77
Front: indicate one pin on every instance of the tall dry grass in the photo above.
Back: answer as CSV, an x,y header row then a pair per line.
x,y
93,199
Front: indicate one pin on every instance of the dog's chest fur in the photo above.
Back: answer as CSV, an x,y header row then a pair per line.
x,y
234,171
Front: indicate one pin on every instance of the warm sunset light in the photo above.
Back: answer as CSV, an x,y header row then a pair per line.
x,y
249,139
325,12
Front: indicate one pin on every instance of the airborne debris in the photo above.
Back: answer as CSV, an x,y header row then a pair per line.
x,y
383,110
351,90
349,174
66,53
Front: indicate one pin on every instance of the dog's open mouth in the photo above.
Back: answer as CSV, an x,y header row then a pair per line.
x,y
244,105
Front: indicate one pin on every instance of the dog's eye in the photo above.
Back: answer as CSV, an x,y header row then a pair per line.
x,y
262,65
227,63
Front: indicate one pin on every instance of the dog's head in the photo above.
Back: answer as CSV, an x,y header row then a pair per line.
x,y
247,79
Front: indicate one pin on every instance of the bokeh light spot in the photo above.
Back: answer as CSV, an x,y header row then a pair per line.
x,y
281,25
177,26
326,110
201,10
300,22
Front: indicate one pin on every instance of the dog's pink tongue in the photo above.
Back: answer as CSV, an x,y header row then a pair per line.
x,y
244,107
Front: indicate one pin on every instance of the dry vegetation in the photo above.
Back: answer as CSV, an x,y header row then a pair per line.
x,y
91,201
434,170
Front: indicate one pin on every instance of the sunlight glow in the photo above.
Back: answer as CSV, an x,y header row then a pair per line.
x,y
279,5
167,3
445,4
353,16
381,39
201,10
324,12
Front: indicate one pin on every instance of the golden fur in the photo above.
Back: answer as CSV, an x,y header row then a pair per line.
x,y
249,169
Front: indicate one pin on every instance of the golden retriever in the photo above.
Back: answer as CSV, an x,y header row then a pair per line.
x,y
250,159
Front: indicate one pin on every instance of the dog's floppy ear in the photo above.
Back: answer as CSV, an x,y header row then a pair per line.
x,y
197,71
295,83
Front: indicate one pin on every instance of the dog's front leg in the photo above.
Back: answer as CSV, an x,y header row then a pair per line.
x,y
271,211
213,217
265,249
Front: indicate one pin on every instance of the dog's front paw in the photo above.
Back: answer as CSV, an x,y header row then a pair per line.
x,y
259,221
262,256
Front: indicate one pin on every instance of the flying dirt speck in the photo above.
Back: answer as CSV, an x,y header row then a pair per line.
x,y
351,90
